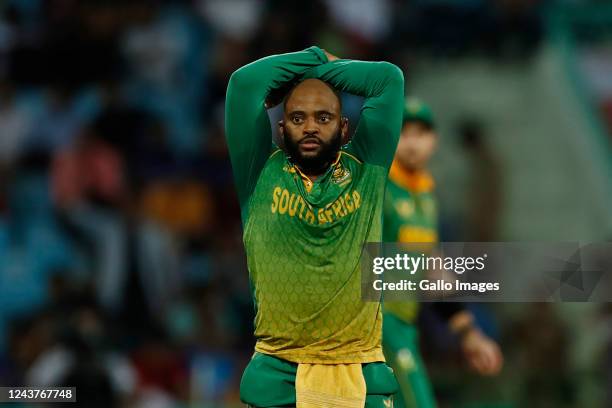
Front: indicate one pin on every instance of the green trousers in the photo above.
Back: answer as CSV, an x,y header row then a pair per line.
x,y
401,348
269,382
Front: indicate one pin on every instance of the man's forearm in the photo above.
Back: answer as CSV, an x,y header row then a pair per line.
x,y
247,126
266,74
382,84
363,78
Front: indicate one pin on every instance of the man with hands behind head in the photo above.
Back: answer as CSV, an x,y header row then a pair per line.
x,y
307,209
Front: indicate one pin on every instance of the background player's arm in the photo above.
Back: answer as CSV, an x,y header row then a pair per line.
x,y
482,353
247,126
382,85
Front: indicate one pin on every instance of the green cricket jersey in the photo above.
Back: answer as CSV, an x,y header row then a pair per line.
x,y
304,239
411,216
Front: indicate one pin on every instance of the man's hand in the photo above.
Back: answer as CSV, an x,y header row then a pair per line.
x,y
330,57
276,96
482,354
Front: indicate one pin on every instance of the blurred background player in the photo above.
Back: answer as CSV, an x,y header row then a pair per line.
x,y
411,216
307,210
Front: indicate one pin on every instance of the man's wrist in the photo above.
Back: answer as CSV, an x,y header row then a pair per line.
x,y
462,323
319,52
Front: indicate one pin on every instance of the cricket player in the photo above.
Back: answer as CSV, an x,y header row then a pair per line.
x,y
307,209
411,216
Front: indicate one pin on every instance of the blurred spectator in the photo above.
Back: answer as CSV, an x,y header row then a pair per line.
x,y
61,119
164,51
15,123
161,370
90,188
367,19
29,227
185,207
91,170
237,19
132,132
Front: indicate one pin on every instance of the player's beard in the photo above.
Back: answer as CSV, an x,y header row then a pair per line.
x,y
319,163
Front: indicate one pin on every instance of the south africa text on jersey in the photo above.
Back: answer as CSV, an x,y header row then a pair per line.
x,y
293,205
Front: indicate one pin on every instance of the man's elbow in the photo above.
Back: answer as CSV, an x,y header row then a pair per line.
x,y
241,78
392,72
237,78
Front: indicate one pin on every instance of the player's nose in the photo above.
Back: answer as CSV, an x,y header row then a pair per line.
x,y
311,126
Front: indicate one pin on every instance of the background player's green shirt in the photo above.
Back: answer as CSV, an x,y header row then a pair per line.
x,y
410,216
304,239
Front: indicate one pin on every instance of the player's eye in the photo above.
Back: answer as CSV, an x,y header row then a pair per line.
x,y
324,118
296,119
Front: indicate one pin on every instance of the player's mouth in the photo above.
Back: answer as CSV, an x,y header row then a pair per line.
x,y
310,143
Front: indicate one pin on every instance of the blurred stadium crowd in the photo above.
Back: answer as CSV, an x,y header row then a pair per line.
x,y
120,239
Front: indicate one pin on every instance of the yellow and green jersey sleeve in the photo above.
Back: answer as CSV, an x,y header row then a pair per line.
x,y
304,239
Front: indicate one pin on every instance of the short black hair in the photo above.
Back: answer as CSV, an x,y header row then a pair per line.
x,y
294,84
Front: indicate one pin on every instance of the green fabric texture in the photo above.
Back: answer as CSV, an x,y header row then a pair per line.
x,y
401,346
270,382
303,252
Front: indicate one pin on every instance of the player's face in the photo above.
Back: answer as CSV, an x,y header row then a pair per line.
x,y
416,145
312,128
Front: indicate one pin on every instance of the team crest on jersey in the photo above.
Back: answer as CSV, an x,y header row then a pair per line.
x,y
289,168
341,175
405,208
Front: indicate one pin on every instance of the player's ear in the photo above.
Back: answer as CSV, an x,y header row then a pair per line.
x,y
281,128
344,129
278,137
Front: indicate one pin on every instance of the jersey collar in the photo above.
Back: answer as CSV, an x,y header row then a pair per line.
x,y
419,181
308,182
